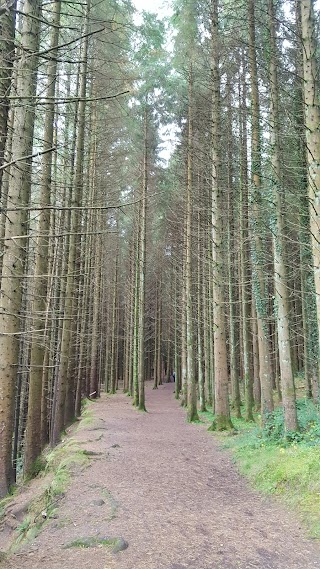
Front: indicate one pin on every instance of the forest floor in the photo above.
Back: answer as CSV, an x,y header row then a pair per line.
x,y
170,491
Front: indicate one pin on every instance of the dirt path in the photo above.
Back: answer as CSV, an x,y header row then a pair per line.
x,y
172,494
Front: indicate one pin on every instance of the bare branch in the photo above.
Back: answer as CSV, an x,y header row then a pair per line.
x,y
27,157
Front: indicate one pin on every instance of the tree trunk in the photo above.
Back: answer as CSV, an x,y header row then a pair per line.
x,y
280,276
202,398
312,122
222,410
232,271
62,379
245,272
142,271
192,414
14,255
32,439
7,52
259,278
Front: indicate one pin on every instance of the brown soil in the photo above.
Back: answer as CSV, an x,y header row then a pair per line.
x,y
168,489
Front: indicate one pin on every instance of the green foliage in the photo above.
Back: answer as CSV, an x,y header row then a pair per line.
x,y
151,62
292,472
309,422
284,464
186,21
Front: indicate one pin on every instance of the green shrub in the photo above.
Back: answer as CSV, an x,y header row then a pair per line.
x,y
285,464
309,426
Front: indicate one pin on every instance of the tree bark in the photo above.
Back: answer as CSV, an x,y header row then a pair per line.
x,y
312,122
222,410
15,252
280,273
192,413
259,277
142,271
38,348
62,379
7,52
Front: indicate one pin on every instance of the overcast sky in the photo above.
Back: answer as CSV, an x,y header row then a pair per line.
x,y
152,6
162,5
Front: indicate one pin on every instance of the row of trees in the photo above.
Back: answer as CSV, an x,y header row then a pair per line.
x,y
120,266
64,132
251,148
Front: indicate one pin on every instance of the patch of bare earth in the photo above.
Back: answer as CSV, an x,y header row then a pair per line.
x,y
167,489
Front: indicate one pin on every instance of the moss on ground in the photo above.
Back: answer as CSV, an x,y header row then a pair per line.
x,y
87,418
116,544
55,467
59,465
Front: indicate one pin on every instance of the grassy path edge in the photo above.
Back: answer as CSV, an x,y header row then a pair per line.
x,y
289,470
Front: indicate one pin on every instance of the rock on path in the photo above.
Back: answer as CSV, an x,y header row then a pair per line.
x,y
171,493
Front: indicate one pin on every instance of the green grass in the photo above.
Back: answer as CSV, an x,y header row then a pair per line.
x,y
86,542
87,419
59,465
116,543
283,464
55,467
27,530
4,503
61,462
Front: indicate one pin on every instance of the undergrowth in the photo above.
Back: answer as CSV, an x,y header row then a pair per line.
x,y
280,463
59,465
55,466
87,418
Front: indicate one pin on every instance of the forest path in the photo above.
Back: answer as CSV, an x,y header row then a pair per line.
x,y
168,489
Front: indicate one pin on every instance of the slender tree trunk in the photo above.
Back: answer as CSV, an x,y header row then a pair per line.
x,y
32,439
211,336
232,288
156,319
245,273
135,355
207,346
192,414
14,255
259,277
280,276
222,410
94,370
176,342
113,367
131,334
184,384
7,51
61,384
312,122
159,337
142,271
202,398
